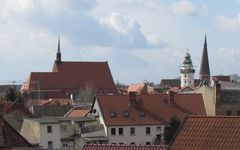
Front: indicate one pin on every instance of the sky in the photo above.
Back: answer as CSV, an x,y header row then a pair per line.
x,y
141,40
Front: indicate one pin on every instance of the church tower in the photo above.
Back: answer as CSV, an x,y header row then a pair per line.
x,y
187,72
58,55
204,73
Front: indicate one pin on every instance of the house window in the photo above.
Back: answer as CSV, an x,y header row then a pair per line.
x,y
229,113
148,143
63,128
50,145
49,129
65,145
120,131
238,113
132,143
132,131
148,130
120,143
113,131
159,128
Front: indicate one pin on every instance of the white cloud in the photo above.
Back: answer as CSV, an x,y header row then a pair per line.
x,y
229,24
184,8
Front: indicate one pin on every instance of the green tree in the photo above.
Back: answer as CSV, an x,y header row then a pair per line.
x,y
171,129
12,95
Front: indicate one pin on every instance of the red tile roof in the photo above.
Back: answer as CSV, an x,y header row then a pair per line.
x,y
59,102
175,82
72,76
137,87
208,132
122,147
78,113
156,108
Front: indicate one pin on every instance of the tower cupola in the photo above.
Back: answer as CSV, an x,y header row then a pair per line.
x,y
187,72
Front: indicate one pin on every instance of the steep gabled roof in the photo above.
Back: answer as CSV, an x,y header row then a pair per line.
x,y
78,113
208,132
122,147
204,68
155,108
9,137
72,75
136,87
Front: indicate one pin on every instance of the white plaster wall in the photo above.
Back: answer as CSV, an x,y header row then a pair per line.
x,y
70,129
140,136
101,120
54,136
209,98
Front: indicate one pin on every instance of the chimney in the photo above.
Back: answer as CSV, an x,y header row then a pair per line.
x,y
218,93
132,98
171,97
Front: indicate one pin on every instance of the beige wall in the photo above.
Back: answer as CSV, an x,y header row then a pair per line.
x,y
140,136
54,136
209,98
31,131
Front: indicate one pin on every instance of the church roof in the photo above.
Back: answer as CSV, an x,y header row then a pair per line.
x,y
204,69
72,75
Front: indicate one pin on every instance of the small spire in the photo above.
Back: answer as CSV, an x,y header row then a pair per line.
x,y
58,55
58,44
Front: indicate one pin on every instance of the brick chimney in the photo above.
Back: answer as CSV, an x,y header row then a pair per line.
x,y
171,97
132,98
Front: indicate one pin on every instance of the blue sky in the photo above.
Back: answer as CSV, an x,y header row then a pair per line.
x,y
141,40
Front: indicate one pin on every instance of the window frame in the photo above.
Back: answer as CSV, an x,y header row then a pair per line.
x,y
49,129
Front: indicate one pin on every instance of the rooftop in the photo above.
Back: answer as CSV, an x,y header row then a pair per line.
x,y
151,109
208,132
122,147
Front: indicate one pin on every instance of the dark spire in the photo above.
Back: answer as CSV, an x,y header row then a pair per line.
x,y
58,57
204,73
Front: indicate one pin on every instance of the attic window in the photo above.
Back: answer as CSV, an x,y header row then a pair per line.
x,y
113,114
125,114
142,114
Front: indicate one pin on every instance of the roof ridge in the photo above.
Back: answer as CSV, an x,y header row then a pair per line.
x,y
205,116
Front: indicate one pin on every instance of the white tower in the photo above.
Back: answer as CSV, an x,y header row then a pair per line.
x,y
187,72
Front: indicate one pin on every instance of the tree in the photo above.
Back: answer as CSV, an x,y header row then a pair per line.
x,y
12,95
171,129
87,93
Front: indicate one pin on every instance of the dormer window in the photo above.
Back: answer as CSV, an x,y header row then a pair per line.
x,y
113,114
142,114
125,114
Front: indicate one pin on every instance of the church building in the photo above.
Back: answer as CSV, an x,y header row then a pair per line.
x,y
67,78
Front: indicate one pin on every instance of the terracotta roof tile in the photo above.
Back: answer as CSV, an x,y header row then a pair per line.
x,y
123,147
137,87
208,132
155,107
78,113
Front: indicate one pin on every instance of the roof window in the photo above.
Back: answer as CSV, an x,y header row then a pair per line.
x,y
113,114
125,114
142,114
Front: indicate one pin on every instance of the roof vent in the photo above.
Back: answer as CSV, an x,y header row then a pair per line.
x,y
142,114
112,114
125,114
